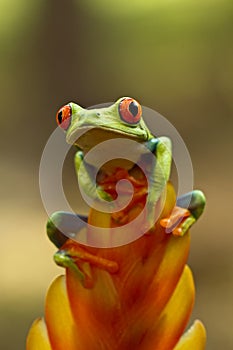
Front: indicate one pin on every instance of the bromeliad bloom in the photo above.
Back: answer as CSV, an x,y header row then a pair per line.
x,y
122,296
137,296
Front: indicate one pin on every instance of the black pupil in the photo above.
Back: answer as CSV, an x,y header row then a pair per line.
x,y
133,108
59,117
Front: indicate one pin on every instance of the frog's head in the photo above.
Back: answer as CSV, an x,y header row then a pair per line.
x,y
88,127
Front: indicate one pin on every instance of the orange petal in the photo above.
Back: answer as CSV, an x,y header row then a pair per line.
x,y
95,309
165,267
37,338
194,338
145,280
172,321
61,327
169,270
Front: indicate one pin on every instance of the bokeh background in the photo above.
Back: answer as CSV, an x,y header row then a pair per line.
x,y
174,56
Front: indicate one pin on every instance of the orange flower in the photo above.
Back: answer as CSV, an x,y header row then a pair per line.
x,y
136,296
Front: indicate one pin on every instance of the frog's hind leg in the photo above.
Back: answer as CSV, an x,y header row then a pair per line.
x,y
194,201
189,208
60,227
63,225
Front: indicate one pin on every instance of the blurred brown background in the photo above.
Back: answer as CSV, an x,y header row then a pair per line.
x,y
174,56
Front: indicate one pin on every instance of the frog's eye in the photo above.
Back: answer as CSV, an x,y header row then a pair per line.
x,y
63,117
130,111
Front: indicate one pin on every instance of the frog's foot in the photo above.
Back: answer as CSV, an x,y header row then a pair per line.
x,y
71,255
63,259
102,194
178,222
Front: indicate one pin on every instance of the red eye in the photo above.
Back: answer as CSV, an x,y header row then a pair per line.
x,y
130,110
63,117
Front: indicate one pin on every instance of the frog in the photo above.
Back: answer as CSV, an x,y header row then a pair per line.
x,y
85,128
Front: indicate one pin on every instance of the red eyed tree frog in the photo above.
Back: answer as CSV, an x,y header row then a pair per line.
x,y
85,128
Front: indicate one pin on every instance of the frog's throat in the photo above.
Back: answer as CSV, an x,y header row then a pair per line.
x,y
87,136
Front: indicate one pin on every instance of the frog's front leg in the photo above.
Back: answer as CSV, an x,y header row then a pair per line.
x,y
158,175
189,208
86,183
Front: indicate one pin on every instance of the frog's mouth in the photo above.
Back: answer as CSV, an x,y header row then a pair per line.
x,y
86,137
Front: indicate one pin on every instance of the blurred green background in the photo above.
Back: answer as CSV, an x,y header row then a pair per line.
x,y
174,56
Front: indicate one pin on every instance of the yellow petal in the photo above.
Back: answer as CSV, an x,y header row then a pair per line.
x,y
165,333
37,338
169,201
61,327
98,219
194,338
